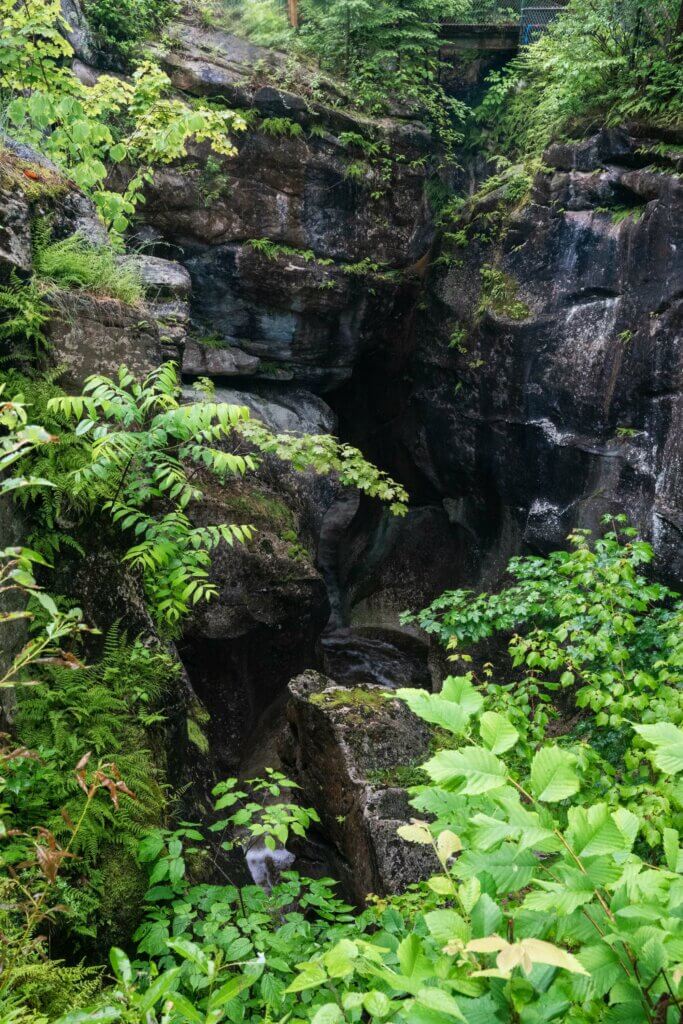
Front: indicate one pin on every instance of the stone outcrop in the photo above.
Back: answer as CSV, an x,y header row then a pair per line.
x,y
542,385
241,648
345,747
339,197
86,333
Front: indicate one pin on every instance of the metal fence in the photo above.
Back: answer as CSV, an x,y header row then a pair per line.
x,y
486,12
535,18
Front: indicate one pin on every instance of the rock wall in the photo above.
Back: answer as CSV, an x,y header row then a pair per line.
x,y
541,388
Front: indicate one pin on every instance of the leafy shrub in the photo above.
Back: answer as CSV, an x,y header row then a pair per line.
x,y
128,451
86,129
120,27
106,709
602,61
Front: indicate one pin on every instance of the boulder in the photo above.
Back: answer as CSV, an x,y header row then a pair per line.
x,y
200,360
350,749
88,335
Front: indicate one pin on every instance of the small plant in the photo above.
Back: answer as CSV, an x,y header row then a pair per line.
x,y
457,339
23,314
280,127
75,263
355,171
499,293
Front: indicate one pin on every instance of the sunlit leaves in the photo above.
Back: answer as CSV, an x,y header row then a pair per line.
x,y
667,740
473,770
553,775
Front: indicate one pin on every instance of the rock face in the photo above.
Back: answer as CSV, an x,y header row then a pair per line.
x,y
338,196
543,385
86,333
344,747
241,648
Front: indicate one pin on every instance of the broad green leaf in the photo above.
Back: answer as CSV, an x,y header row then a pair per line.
x,y
439,1000
474,769
593,831
497,732
376,1003
552,775
329,1013
445,925
408,953
667,739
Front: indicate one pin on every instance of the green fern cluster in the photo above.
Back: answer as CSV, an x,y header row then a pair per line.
x,y
53,462
23,315
74,262
101,708
110,709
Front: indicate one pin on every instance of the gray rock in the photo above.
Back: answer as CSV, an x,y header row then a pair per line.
x,y
78,32
96,335
344,748
167,288
284,411
206,361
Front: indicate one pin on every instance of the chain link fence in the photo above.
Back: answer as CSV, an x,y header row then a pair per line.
x,y
486,12
535,18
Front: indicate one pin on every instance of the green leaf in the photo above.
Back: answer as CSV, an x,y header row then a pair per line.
x,y
442,1002
121,965
376,1003
445,925
329,1013
474,769
408,953
552,775
486,917
497,732
667,739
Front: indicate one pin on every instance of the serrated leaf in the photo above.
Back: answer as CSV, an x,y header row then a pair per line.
x,y
552,774
498,734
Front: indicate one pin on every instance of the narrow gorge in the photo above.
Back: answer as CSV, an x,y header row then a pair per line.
x,y
501,338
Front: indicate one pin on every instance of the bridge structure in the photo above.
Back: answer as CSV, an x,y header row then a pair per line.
x,y
518,21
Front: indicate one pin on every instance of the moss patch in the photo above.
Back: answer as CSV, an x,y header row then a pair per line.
x,y
355,697
35,182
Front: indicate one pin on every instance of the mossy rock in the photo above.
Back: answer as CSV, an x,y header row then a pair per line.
x,y
124,884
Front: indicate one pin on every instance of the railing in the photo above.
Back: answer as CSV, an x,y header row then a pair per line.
x,y
532,18
488,12
535,18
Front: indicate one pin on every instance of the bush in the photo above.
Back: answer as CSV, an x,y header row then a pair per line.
x,y
75,263
602,61
121,26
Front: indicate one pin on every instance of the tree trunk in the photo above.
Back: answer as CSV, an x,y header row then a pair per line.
x,y
293,11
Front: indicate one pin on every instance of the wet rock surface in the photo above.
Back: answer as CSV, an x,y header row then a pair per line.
x,y
571,408
345,746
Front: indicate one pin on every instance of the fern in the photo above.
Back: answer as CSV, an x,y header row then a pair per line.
x,y
98,708
75,263
23,313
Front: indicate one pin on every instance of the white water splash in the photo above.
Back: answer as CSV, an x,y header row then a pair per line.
x,y
266,866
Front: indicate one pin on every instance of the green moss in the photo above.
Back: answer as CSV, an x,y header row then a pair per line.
x,y
355,698
122,892
35,182
196,735
402,776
